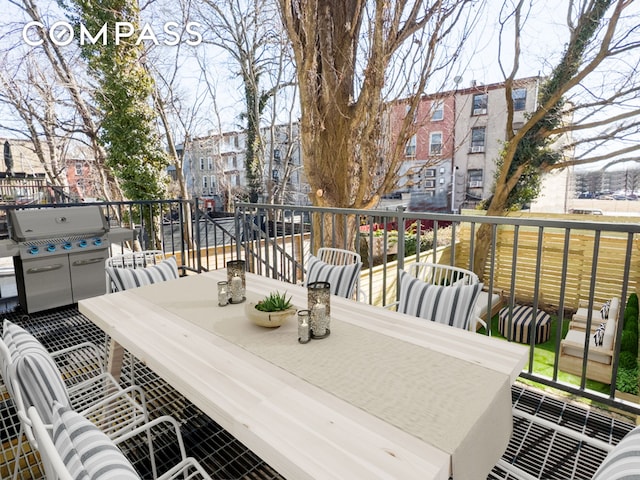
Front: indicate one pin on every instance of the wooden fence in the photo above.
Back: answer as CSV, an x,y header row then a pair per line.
x,y
609,274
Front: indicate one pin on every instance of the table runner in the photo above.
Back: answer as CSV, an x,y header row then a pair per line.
x,y
397,381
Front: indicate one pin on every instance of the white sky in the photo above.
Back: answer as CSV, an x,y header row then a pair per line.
x,y
542,40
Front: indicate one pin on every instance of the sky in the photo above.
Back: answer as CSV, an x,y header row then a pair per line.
x,y
543,33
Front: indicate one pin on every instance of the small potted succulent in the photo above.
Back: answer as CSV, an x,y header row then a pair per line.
x,y
271,311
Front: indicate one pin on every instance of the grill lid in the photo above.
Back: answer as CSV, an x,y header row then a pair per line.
x,y
37,224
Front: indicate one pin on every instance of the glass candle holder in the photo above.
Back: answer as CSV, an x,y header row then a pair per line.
x,y
319,303
304,328
236,280
223,293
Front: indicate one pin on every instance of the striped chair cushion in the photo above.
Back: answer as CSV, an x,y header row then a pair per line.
x,y
36,373
125,278
623,462
451,305
86,451
342,278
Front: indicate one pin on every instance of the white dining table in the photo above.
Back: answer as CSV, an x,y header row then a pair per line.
x,y
385,395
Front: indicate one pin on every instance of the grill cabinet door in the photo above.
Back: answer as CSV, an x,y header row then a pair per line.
x,y
43,283
87,274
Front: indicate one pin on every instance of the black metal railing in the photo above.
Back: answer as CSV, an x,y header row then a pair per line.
x,y
547,264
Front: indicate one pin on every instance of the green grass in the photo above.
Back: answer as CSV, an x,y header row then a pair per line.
x,y
544,356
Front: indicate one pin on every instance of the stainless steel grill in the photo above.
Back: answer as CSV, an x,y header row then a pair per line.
x,y
61,255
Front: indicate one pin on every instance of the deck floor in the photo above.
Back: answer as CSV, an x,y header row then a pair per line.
x,y
540,452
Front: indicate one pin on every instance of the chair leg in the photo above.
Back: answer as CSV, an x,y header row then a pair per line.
x,y
18,452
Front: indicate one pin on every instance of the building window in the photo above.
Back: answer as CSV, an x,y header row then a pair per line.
x,y
201,163
205,184
410,148
237,180
429,184
475,178
78,168
209,163
213,184
477,139
234,162
430,172
480,101
275,174
435,143
437,110
276,154
519,96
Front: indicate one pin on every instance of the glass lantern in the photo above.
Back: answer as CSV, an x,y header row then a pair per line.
x,y
223,293
236,281
319,303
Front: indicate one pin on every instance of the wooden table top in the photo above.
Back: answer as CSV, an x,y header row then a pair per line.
x,y
384,396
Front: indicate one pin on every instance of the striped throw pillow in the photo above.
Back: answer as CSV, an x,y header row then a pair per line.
x,y
126,278
623,462
86,451
36,374
342,278
450,305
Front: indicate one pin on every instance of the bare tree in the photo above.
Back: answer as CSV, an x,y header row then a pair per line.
x,y
63,68
35,102
250,33
352,58
590,97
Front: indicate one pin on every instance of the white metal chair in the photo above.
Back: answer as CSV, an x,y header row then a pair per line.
x,y
341,268
437,274
71,446
459,311
141,259
33,378
622,460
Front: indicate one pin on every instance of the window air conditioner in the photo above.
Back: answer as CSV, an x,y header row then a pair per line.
x,y
475,184
477,149
479,111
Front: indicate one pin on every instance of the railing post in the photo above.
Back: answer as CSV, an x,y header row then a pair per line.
x,y
196,231
236,219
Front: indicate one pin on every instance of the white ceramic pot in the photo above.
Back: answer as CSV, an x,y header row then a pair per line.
x,y
267,319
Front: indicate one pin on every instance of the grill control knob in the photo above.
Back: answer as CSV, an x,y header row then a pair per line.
x,y
51,248
82,243
34,250
67,246
97,242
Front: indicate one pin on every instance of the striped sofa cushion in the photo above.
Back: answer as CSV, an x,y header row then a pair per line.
x,y
342,278
623,462
36,374
126,278
86,451
451,305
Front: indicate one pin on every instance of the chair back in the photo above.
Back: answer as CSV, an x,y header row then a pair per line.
x,y
449,304
445,275
341,268
7,371
141,259
136,269
54,467
338,256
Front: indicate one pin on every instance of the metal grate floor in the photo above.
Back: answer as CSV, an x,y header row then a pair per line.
x,y
540,452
